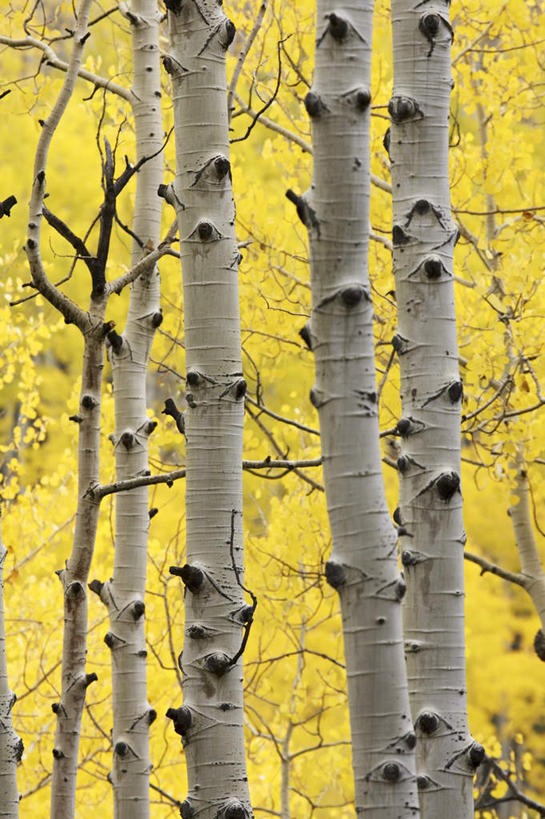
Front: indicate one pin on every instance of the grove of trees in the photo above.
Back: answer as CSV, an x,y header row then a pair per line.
x,y
271,437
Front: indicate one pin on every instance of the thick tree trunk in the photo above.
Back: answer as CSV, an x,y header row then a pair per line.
x,y
124,594
11,746
363,565
210,721
429,466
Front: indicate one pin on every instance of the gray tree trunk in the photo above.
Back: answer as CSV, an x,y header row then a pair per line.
x,y
211,718
124,594
430,510
363,567
11,746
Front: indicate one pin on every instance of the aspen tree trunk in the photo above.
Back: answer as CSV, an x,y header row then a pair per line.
x,y
124,594
363,567
74,577
11,746
211,718
430,511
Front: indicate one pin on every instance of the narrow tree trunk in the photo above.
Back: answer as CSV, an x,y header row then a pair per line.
x,y
210,721
429,465
11,746
124,594
363,565
74,577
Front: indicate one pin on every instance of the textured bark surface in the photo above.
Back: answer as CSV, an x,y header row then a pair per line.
x,y
429,465
11,746
210,720
363,565
124,593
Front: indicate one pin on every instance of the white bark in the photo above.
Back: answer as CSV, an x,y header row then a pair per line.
x,y
429,466
210,721
11,746
363,565
124,593
532,575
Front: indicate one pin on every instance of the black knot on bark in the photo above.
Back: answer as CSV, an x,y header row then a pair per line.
x,y
56,707
423,782
400,589
88,402
182,719
19,748
239,390
229,34
363,99
399,344
403,464
433,268
217,663
157,319
196,632
149,427
193,378
186,810
399,237
539,645
127,439
455,391
246,614
304,332
447,484
96,586
315,399
175,6
222,166
205,231
397,516
57,753
116,341
429,24
410,740
404,427
391,772
408,558
192,576
152,716
402,109
351,296
338,27
335,574
428,722
74,591
475,755
232,809
109,639
137,609
121,749
314,105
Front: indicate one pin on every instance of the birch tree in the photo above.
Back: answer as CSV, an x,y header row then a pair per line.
x,y
216,616
363,567
129,353
430,509
11,746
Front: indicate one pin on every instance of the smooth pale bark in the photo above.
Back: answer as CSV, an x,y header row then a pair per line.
x,y
363,565
210,720
11,746
429,465
74,679
531,574
124,594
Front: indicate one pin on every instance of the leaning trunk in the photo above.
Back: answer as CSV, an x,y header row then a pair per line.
x,y
210,720
430,510
363,567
